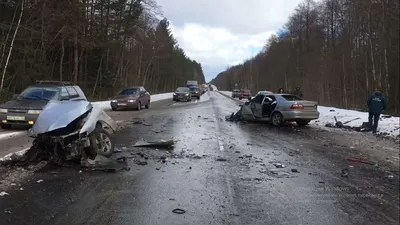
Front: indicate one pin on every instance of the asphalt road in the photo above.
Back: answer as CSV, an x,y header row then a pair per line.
x,y
218,172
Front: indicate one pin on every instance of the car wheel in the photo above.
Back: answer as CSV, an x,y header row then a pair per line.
x,y
139,106
277,119
5,126
101,141
114,109
240,98
302,123
198,98
148,105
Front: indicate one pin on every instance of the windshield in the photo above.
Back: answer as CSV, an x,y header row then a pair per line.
x,y
182,89
194,89
39,93
292,97
130,91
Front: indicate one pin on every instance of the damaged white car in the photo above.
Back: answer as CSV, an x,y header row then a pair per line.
x,y
73,130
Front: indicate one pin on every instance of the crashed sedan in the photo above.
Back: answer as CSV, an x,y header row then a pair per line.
x,y
277,109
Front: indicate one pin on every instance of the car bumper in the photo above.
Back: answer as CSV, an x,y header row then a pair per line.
x,y
18,118
300,115
124,105
196,94
181,98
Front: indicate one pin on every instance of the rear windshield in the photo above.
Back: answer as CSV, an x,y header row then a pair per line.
x,y
182,89
39,93
292,97
130,91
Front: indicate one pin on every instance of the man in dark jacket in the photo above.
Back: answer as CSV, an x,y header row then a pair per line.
x,y
376,104
298,92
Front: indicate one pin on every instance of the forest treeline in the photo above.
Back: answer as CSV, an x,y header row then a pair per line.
x,y
102,45
338,51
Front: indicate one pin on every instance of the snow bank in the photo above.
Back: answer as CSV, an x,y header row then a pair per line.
x,y
389,126
154,98
18,154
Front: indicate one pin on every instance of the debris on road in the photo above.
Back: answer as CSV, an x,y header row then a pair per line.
x,y
221,159
39,181
295,171
179,211
279,165
345,172
3,193
160,144
141,163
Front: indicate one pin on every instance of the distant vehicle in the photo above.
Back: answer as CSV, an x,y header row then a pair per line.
x,y
245,93
211,88
182,94
195,92
24,109
235,93
191,83
264,92
131,98
277,109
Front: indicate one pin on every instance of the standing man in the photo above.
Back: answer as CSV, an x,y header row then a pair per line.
x,y
298,92
281,91
376,104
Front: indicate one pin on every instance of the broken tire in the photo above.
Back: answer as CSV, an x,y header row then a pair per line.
x,y
102,143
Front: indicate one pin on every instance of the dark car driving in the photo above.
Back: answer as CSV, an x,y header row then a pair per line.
x,y
131,98
25,108
182,94
195,91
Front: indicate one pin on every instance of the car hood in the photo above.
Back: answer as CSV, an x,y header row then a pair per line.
x,y
121,97
24,104
58,114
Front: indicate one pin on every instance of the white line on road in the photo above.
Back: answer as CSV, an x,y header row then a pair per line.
x,y
7,135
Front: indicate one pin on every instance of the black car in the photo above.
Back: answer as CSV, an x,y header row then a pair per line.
x,y
24,108
182,94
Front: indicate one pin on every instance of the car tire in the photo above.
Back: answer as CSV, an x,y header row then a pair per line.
x,y
240,98
104,149
139,106
198,98
5,126
114,109
148,105
302,123
277,119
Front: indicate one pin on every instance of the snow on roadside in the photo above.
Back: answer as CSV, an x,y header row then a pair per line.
x,y
388,126
153,98
9,156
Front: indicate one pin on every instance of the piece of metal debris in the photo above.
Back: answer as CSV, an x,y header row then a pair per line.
x,y
222,159
345,172
3,193
39,181
295,171
160,144
179,211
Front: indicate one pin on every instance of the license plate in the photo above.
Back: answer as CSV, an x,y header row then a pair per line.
x,y
180,96
15,117
121,104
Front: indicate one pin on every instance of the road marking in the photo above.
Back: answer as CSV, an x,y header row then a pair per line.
x,y
8,135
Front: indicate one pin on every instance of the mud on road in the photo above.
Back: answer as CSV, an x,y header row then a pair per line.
x,y
218,172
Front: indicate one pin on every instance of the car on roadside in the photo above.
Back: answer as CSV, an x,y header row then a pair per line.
x,y
131,98
277,109
235,93
24,108
195,92
182,94
245,93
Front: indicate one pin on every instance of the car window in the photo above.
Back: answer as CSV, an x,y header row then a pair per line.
x,y
39,93
292,97
64,93
182,89
80,92
72,92
130,91
194,89
258,99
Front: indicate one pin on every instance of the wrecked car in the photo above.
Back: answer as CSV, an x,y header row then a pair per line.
x,y
73,130
277,109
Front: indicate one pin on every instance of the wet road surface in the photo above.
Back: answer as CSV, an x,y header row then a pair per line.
x,y
218,172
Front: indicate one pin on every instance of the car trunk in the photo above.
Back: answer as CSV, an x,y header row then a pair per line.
x,y
308,105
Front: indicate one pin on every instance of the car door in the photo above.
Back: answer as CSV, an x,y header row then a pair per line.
x,y
256,106
268,105
146,94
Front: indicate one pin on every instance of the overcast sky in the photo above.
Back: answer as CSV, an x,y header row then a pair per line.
x,y
218,33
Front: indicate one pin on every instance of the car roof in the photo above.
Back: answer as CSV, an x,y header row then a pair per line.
x,y
49,86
